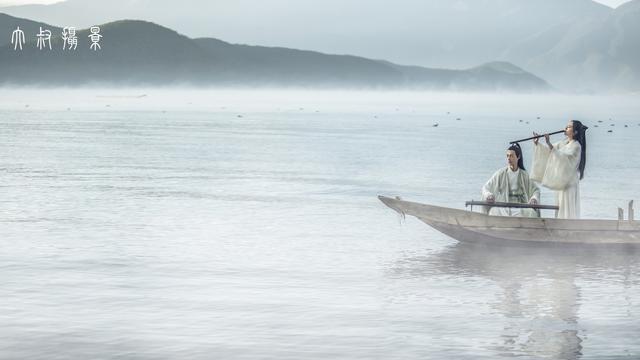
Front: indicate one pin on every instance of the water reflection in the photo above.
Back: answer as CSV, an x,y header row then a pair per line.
x,y
538,300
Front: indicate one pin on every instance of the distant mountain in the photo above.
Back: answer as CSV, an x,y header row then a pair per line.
x,y
577,45
432,33
589,55
143,53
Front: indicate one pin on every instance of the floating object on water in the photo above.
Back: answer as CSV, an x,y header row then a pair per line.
x,y
625,125
239,116
458,119
599,121
469,226
435,125
122,96
609,131
520,120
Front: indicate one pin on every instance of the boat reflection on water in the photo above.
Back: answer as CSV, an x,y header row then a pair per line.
x,y
537,301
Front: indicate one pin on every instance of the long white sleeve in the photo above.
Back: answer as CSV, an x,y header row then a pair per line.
x,y
491,185
539,163
562,165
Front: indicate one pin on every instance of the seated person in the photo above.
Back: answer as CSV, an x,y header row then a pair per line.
x,y
512,184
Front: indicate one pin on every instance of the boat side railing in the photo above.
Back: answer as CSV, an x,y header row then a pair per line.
x,y
631,212
510,205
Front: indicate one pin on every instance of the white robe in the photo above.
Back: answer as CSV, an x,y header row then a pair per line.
x,y
557,170
501,185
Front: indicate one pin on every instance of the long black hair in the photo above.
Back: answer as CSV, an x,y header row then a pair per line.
x,y
516,147
580,135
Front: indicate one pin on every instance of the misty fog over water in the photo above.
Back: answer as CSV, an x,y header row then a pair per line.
x,y
181,223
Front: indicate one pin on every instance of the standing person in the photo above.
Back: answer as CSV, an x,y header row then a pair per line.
x,y
512,184
560,167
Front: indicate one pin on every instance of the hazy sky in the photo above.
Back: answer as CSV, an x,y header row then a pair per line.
x,y
25,2
612,3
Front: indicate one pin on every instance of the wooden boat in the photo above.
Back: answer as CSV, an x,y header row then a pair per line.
x,y
470,226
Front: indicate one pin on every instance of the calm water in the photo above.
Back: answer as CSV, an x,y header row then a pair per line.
x,y
212,224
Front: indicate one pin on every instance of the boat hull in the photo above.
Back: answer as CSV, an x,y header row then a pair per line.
x,y
470,226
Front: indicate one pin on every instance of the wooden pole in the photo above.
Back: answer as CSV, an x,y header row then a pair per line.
x,y
535,137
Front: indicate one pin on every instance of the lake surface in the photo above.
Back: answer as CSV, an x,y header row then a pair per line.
x,y
164,224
